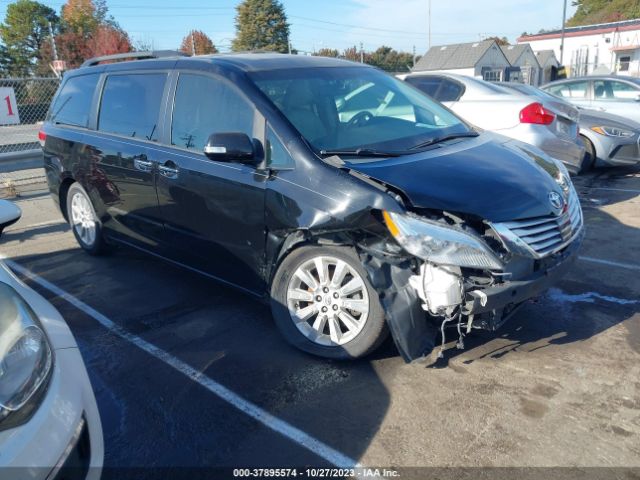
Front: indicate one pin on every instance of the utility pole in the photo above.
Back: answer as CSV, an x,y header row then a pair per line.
x,y
361,53
414,55
53,42
430,23
564,19
289,47
193,45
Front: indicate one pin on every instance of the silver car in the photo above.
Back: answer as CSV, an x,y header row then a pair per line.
x,y
617,95
610,140
550,126
49,421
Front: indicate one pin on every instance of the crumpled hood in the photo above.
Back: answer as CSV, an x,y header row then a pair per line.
x,y
491,176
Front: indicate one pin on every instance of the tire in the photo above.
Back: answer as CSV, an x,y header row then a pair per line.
x,y
589,155
344,333
84,222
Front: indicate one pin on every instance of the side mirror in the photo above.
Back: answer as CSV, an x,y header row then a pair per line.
x,y
10,213
229,147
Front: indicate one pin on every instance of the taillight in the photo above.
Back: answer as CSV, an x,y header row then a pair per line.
x,y
42,137
536,113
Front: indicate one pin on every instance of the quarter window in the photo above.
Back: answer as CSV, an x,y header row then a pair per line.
x,y
204,105
277,155
130,105
73,103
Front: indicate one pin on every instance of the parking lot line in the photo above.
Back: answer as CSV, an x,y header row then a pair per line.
x,y
270,421
627,190
610,263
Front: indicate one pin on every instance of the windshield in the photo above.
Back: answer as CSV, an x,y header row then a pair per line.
x,y
356,108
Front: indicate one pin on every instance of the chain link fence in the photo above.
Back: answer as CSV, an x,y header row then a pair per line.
x,y
23,107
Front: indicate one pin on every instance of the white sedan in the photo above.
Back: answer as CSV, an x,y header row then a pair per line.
x,y
49,422
550,127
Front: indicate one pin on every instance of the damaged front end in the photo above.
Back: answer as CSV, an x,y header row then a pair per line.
x,y
462,272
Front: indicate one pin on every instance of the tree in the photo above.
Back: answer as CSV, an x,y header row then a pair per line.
x,y
107,40
199,42
25,30
389,59
602,11
261,25
352,54
327,52
502,41
80,16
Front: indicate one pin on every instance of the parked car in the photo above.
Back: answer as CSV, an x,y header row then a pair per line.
x,y
612,94
609,140
554,130
49,422
351,214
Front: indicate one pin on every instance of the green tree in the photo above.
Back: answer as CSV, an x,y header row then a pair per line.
x,y
261,25
602,11
24,31
389,59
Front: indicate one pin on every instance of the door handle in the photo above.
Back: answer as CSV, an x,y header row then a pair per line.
x,y
169,170
141,163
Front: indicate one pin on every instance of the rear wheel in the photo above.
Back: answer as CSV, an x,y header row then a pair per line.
x,y
324,304
589,155
83,221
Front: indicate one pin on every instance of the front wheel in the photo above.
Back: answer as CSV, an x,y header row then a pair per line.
x,y
324,304
83,221
589,155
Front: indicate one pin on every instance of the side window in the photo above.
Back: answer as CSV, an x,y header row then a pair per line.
x,y
426,85
277,155
204,105
73,104
450,91
612,90
575,90
130,105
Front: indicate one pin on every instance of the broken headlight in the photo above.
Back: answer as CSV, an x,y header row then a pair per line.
x,y
26,358
439,243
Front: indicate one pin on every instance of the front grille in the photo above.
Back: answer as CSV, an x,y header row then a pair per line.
x,y
542,236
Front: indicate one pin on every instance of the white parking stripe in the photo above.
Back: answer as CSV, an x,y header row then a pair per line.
x,y
292,433
610,263
628,190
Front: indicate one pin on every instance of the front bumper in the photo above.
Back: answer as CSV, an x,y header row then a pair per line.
x,y
492,306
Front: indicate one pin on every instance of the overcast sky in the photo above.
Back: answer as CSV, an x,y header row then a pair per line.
x,y
315,24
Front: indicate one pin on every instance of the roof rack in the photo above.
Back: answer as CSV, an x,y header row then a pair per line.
x,y
133,56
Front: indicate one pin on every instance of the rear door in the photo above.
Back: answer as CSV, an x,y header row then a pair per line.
x,y
577,92
129,125
213,211
617,97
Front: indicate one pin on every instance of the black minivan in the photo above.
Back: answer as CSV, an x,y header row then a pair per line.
x,y
352,202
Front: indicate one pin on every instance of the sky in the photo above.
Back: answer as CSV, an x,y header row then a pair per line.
x,y
339,24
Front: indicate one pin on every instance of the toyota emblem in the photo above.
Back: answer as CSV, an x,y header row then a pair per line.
x,y
556,200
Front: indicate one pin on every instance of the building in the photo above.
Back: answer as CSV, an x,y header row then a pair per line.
x,y
524,64
548,65
476,59
594,49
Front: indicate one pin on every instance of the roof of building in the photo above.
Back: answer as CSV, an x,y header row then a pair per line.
x,y
544,56
583,30
513,52
450,57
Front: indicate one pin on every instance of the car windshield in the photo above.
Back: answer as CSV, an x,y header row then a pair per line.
x,y
357,108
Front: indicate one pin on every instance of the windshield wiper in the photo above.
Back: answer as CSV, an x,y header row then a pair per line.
x,y
444,138
360,152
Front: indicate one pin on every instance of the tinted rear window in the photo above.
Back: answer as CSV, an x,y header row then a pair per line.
x,y
130,105
72,106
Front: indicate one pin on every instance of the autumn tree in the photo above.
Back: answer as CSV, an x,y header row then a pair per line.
x,y
198,42
107,40
327,52
261,25
24,32
351,53
502,41
602,11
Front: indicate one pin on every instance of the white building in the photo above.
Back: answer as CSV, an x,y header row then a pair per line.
x,y
594,49
475,59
